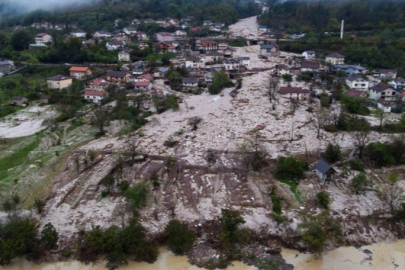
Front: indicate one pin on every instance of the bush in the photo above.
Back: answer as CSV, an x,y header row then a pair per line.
x,y
290,167
39,205
124,185
179,237
355,106
359,184
276,204
137,194
325,100
287,77
49,236
333,153
330,128
170,142
354,165
323,199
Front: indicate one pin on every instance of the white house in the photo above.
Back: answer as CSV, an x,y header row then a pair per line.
x,y
195,62
129,30
231,64
310,66
214,56
164,37
335,59
180,34
43,38
95,96
309,55
267,49
115,45
190,83
357,81
384,92
294,92
244,61
398,83
143,85
384,105
102,34
78,33
124,55
141,35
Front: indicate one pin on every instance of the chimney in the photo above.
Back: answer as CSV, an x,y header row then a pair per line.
x,y
342,29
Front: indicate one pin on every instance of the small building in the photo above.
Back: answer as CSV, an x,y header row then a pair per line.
x,y
45,99
143,85
117,76
129,30
310,66
244,61
142,45
267,50
262,28
214,56
164,37
387,73
309,55
161,47
398,84
141,36
229,52
95,97
190,83
324,171
6,67
357,81
43,38
19,101
139,67
349,69
59,82
98,85
384,92
102,34
206,45
80,73
384,105
222,46
195,62
124,55
115,45
294,93
354,93
161,72
78,33
231,64
335,59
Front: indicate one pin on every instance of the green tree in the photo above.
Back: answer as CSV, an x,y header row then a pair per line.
x,y
137,194
229,222
360,183
49,236
323,199
108,181
21,40
290,167
333,153
178,237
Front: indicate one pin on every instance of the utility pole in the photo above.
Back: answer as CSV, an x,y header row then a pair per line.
x,y
342,29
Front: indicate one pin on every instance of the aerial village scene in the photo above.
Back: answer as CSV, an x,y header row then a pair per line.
x,y
229,134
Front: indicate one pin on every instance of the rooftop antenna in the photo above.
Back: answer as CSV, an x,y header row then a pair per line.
x,y
342,29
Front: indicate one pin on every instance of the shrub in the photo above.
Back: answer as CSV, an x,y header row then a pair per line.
x,y
49,236
354,165
39,205
179,237
287,77
170,142
333,153
359,184
290,167
330,128
124,185
137,194
276,204
323,199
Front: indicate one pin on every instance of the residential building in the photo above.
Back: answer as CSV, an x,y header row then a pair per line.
x,y
214,56
383,91
190,83
139,67
59,27
206,45
164,37
398,84
222,46
98,85
78,33
180,34
267,49
229,52
294,92
6,67
115,45
231,64
142,45
102,34
354,93
387,73
161,72
80,73
141,35
195,62
207,22
262,28
124,55
117,76
244,61
43,38
161,47
19,101
309,55
95,97
357,81
349,69
143,85
310,66
324,171
384,105
129,30
335,59
136,21
59,82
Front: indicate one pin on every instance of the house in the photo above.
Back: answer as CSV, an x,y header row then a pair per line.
x,y
117,22
207,22
141,35
357,81
149,20
387,73
161,22
59,82
229,52
354,93
164,37
102,34
398,83
129,30
196,29
324,171
384,105
173,22
309,55
143,85
142,45
349,69
161,72
115,45
190,83
124,55
95,97
117,76
383,91
335,59
59,27
294,92
205,44
222,46
161,47
36,25
213,56
98,85
43,38
244,61
136,21
180,34
19,27
45,99
78,33
217,27
19,101
231,64
144,77
267,49
402,96
80,73
6,67
195,62
139,67
310,66
262,28
209,76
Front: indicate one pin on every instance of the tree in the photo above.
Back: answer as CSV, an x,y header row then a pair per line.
x,y
137,194
252,151
193,122
359,184
108,181
320,120
100,119
49,236
392,194
21,40
229,222
179,237
220,81
333,153
381,116
294,103
323,199
272,91
133,148
39,205
361,138
290,167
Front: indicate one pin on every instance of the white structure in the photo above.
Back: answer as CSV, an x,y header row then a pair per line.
x,y
231,64
398,83
180,34
342,29
294,92
309,55
143,85
214,56
324,171
114,45
384,92
335,59
95,96
164,37
102,34
78,33
357,81
43,38
124,55
384,105
244,61
195,62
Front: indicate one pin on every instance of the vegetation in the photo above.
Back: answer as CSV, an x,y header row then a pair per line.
x,y
333,153
386,154
179,237
290,168
137,194
359,184
323,199
221,81
230,234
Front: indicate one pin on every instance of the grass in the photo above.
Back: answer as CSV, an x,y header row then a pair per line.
x,y
17,157
293,187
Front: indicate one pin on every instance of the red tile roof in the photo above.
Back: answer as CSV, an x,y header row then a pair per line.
x,y
142,83
79,69
94,93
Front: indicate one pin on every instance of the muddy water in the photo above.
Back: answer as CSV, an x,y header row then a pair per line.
x,y
373,257
166,261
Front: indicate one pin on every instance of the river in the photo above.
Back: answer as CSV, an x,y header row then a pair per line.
x,y
374,257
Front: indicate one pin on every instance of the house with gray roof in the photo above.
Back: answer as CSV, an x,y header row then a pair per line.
x,y
267,49
324,171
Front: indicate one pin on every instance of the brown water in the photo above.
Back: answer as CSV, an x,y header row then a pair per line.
x,y
166,261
